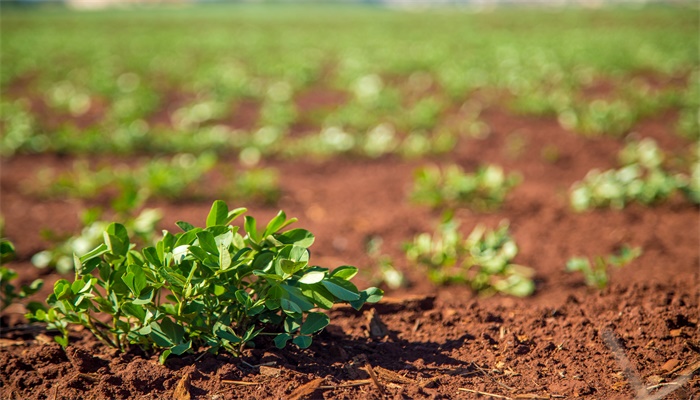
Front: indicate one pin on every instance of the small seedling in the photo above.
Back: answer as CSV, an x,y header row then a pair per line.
x,y
386,272
483,259
450,187
210,287
642,179
60,256
597,274
8,292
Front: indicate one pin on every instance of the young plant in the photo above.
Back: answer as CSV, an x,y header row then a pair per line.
x,y
386,272
8,292
483,259
210,287
642,179
61,255
450,186
596,274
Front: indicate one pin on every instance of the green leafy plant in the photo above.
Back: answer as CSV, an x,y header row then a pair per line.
x,y
450,186
164,178
8,292
386,273
60,256
596,274
483,259
642,178
208,287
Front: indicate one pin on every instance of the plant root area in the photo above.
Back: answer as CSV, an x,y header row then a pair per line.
x,y
636,338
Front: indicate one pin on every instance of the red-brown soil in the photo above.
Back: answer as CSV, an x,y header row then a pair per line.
x,y
566,341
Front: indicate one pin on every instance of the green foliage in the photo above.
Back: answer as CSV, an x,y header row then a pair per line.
x,y
596,274
483,259
163,178
386,273
172,178
158,97
451,187
61,255
208,287
642,178
8,292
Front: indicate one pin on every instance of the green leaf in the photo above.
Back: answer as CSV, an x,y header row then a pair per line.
x,y
7,251
224,258
298,237
277,223
346,272
218,215
341,290
281,340
135,279
167,333
134,310
263,260
295,295
312,277
96,252
208,243
314,323
373,294
116,246
61,340
181,348
187,237
291,324
146,297
302,341
119,231
226,333
320,295
251,229
235,213
151,255
82,285
185,226
62,289
290,306
164,356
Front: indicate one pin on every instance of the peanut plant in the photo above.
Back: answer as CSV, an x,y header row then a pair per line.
x,y
483,259
212,287
596,274
484,190
642,179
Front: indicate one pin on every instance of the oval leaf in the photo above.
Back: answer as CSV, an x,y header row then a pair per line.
x,y
314,323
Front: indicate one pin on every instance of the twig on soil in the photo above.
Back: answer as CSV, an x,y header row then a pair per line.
x,y
241,383
483,371
675,385
519,396
661,385
633,376
373,376
360,382
306,389
498,396
628,369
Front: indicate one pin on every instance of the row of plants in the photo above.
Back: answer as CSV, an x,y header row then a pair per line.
x,y
177,177
406,74
642,178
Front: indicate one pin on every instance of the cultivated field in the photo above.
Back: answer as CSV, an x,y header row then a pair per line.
x,y
523,184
